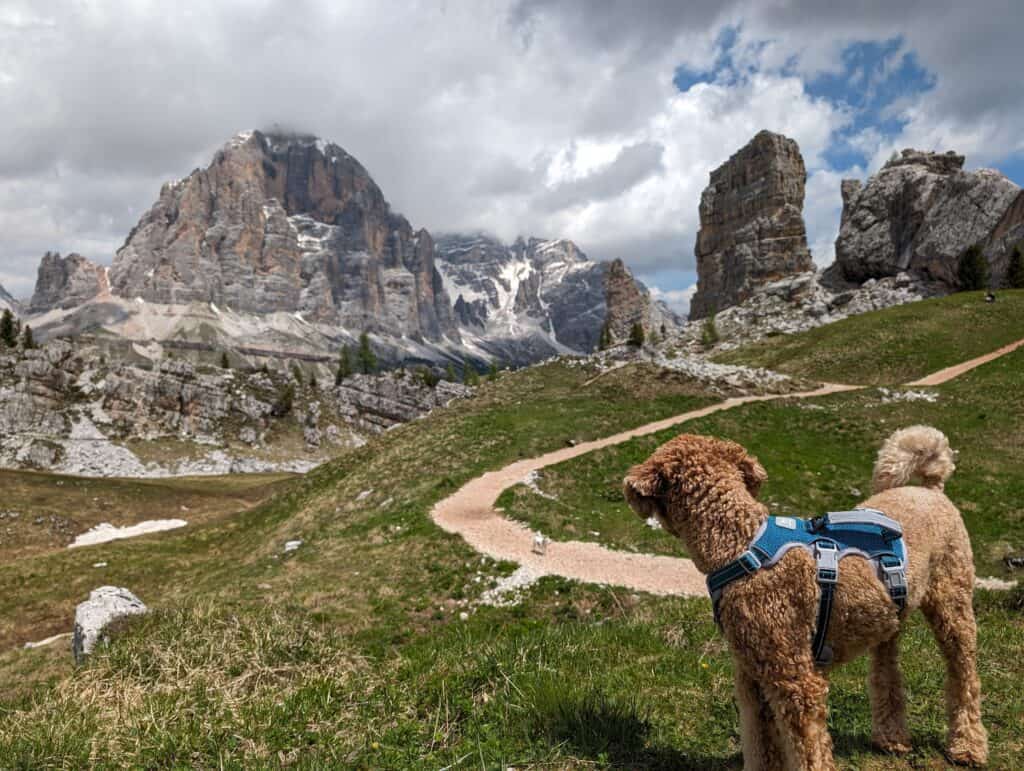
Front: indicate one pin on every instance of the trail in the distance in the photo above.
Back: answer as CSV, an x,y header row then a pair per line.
x,y
470,512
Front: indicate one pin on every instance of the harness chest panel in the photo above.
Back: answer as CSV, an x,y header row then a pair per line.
x,y
866,533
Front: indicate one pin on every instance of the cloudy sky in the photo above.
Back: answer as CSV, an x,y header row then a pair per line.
x,y
597,121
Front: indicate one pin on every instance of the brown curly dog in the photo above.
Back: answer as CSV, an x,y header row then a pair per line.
x,y
704,491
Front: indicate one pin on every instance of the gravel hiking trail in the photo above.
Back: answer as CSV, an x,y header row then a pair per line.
x,y
470,512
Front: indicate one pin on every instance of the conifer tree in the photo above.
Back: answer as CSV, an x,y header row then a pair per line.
x,y
28,340
605,341
224,362
1015,270
344,365
973,270
297,373
367,358
449,374
636,335
8,332
470,376
492,370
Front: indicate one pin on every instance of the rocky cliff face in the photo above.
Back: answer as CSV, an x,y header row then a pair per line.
x,y
287,223
64,408
751,224
920,213
7,302
533,298
64,282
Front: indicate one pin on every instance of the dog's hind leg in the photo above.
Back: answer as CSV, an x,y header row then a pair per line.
x,y
757,730
947,606
799,706
888,702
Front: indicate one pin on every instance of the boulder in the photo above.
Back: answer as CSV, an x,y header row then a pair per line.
x,y
751,224
920,212
104,606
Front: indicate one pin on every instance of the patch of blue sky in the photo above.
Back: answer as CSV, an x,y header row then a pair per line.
x,y
875,78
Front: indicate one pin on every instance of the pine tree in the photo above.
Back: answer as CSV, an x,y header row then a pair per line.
x,y
973,270
605,341
492,370
224,362
312,382
449,374
709,333
636,335
344,365
285,400
367,358
297,373
470,376
8,335
28,340
1015,270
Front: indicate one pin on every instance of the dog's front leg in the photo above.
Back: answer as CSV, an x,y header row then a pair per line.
x,y
799,706
761,751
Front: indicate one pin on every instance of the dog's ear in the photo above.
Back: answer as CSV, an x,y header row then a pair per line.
x,y
753,472
643,487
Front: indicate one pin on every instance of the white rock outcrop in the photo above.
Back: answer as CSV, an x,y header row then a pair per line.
x,y
104,606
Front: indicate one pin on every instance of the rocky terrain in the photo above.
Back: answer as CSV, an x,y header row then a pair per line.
x,y
751,224
920,212
66,408
795,304
534,298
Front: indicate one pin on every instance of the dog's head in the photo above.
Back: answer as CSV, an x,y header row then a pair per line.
x,y
683,472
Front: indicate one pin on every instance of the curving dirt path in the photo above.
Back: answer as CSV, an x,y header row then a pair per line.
x,y
943,375
470,512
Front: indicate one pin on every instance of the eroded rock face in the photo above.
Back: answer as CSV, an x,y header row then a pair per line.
x,y
64,282
751,224
7,302
287,223
628,303
920,212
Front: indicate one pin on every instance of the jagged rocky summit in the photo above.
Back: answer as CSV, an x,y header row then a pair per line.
x,y
64,282
538,297
285,246
751,224
920,213
287,223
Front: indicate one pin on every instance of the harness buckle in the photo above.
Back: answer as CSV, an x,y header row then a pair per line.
x,y
827,555
749,562
894,576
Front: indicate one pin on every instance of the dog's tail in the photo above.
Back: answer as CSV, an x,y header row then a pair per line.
x,y
920,452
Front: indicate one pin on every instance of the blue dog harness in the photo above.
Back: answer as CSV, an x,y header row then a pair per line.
x,y
864,532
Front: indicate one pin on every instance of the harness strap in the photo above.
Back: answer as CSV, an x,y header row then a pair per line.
x,y
827,555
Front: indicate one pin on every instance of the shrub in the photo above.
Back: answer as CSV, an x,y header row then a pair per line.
x,y
344,365
605,340
285,401
224,362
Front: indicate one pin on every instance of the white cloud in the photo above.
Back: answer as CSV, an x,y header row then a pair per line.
x,y
551,118
676,299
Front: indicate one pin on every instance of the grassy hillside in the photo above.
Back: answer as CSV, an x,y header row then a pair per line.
x,y
44,512
352,652
896,345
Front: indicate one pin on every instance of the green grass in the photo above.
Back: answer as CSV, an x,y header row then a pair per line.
x,y
896,345
819,456
350,652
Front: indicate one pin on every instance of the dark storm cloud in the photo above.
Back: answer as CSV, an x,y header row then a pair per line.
x,y
632,165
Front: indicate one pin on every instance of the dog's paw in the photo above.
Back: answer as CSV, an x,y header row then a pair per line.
x,y
892,746
968,756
